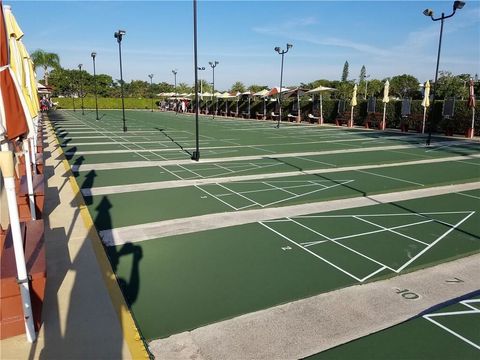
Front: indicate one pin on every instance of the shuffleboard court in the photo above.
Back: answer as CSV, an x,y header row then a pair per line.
x,y
451,332
183,263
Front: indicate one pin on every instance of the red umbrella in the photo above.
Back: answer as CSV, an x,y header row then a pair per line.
x,y
15,122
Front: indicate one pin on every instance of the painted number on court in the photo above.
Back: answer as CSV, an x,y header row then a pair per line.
x,y
407,294
285,248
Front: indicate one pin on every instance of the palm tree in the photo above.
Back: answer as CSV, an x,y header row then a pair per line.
x,y
46,60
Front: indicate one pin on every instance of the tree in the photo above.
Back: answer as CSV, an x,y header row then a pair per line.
x,y
375,88
45,60
256,88
405,86
238,87
362,82
316,83
204,86
449,85
184,88
345,71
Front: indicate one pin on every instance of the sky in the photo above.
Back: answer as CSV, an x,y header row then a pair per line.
x,y
388,37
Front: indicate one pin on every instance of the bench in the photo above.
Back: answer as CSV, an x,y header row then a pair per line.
x,y
343,119
260,116
374,120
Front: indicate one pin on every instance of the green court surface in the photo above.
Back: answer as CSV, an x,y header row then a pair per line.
x,y
195,279
192,279
452,332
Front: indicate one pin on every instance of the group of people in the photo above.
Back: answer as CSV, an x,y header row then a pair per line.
x,y
46,104
176,105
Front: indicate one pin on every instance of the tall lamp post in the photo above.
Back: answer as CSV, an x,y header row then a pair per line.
x,y
201,68
429,12
93,55
196,153
213,65
151,87
119,36
281,52
174,72
81,86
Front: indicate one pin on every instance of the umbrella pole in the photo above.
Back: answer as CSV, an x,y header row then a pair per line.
x,y
7,170
33,152
473,123
351,118
28,169
321,109
423,123
384,113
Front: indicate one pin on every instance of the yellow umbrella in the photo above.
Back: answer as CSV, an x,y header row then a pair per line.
x,y
353,103
354,96
385,100
425,103
426,95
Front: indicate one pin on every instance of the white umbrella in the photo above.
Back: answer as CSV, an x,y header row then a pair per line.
x,y
471,105
319,90
385,100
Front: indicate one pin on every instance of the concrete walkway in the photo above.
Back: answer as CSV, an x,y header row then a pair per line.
x,y
82,318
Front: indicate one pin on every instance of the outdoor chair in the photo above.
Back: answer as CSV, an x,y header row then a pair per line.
x,y
314,116
294,114
260,116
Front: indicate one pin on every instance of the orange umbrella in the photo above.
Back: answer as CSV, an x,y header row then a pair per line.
x,y
12,113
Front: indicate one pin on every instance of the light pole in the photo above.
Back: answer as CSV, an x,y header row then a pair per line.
x,y
174,72
81,86
93,55
366,86
72,87
281,52
429,12
119,36
196,153
151,87
213,65
201,68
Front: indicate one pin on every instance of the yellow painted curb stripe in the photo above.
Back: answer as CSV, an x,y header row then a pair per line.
x,y
130,332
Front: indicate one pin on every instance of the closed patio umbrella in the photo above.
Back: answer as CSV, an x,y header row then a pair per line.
x,y
13,116
471,105
353,103
425,103
385,100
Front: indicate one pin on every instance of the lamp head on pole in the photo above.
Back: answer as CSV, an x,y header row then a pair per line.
x,y
119,35
213,64
201,68
80,67
289,46
93,54
174,72
457,5
150,76
277,49
428,12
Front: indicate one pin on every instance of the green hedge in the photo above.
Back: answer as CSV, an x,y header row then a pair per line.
x,y
105,103
460,122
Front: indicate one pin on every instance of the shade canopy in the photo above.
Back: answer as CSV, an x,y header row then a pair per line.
x,y
262,93
276,91
320,89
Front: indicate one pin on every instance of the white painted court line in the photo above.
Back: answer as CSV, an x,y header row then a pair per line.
x,y
390,177
433,243
159,229
393,231
166,184
310,252
429,318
